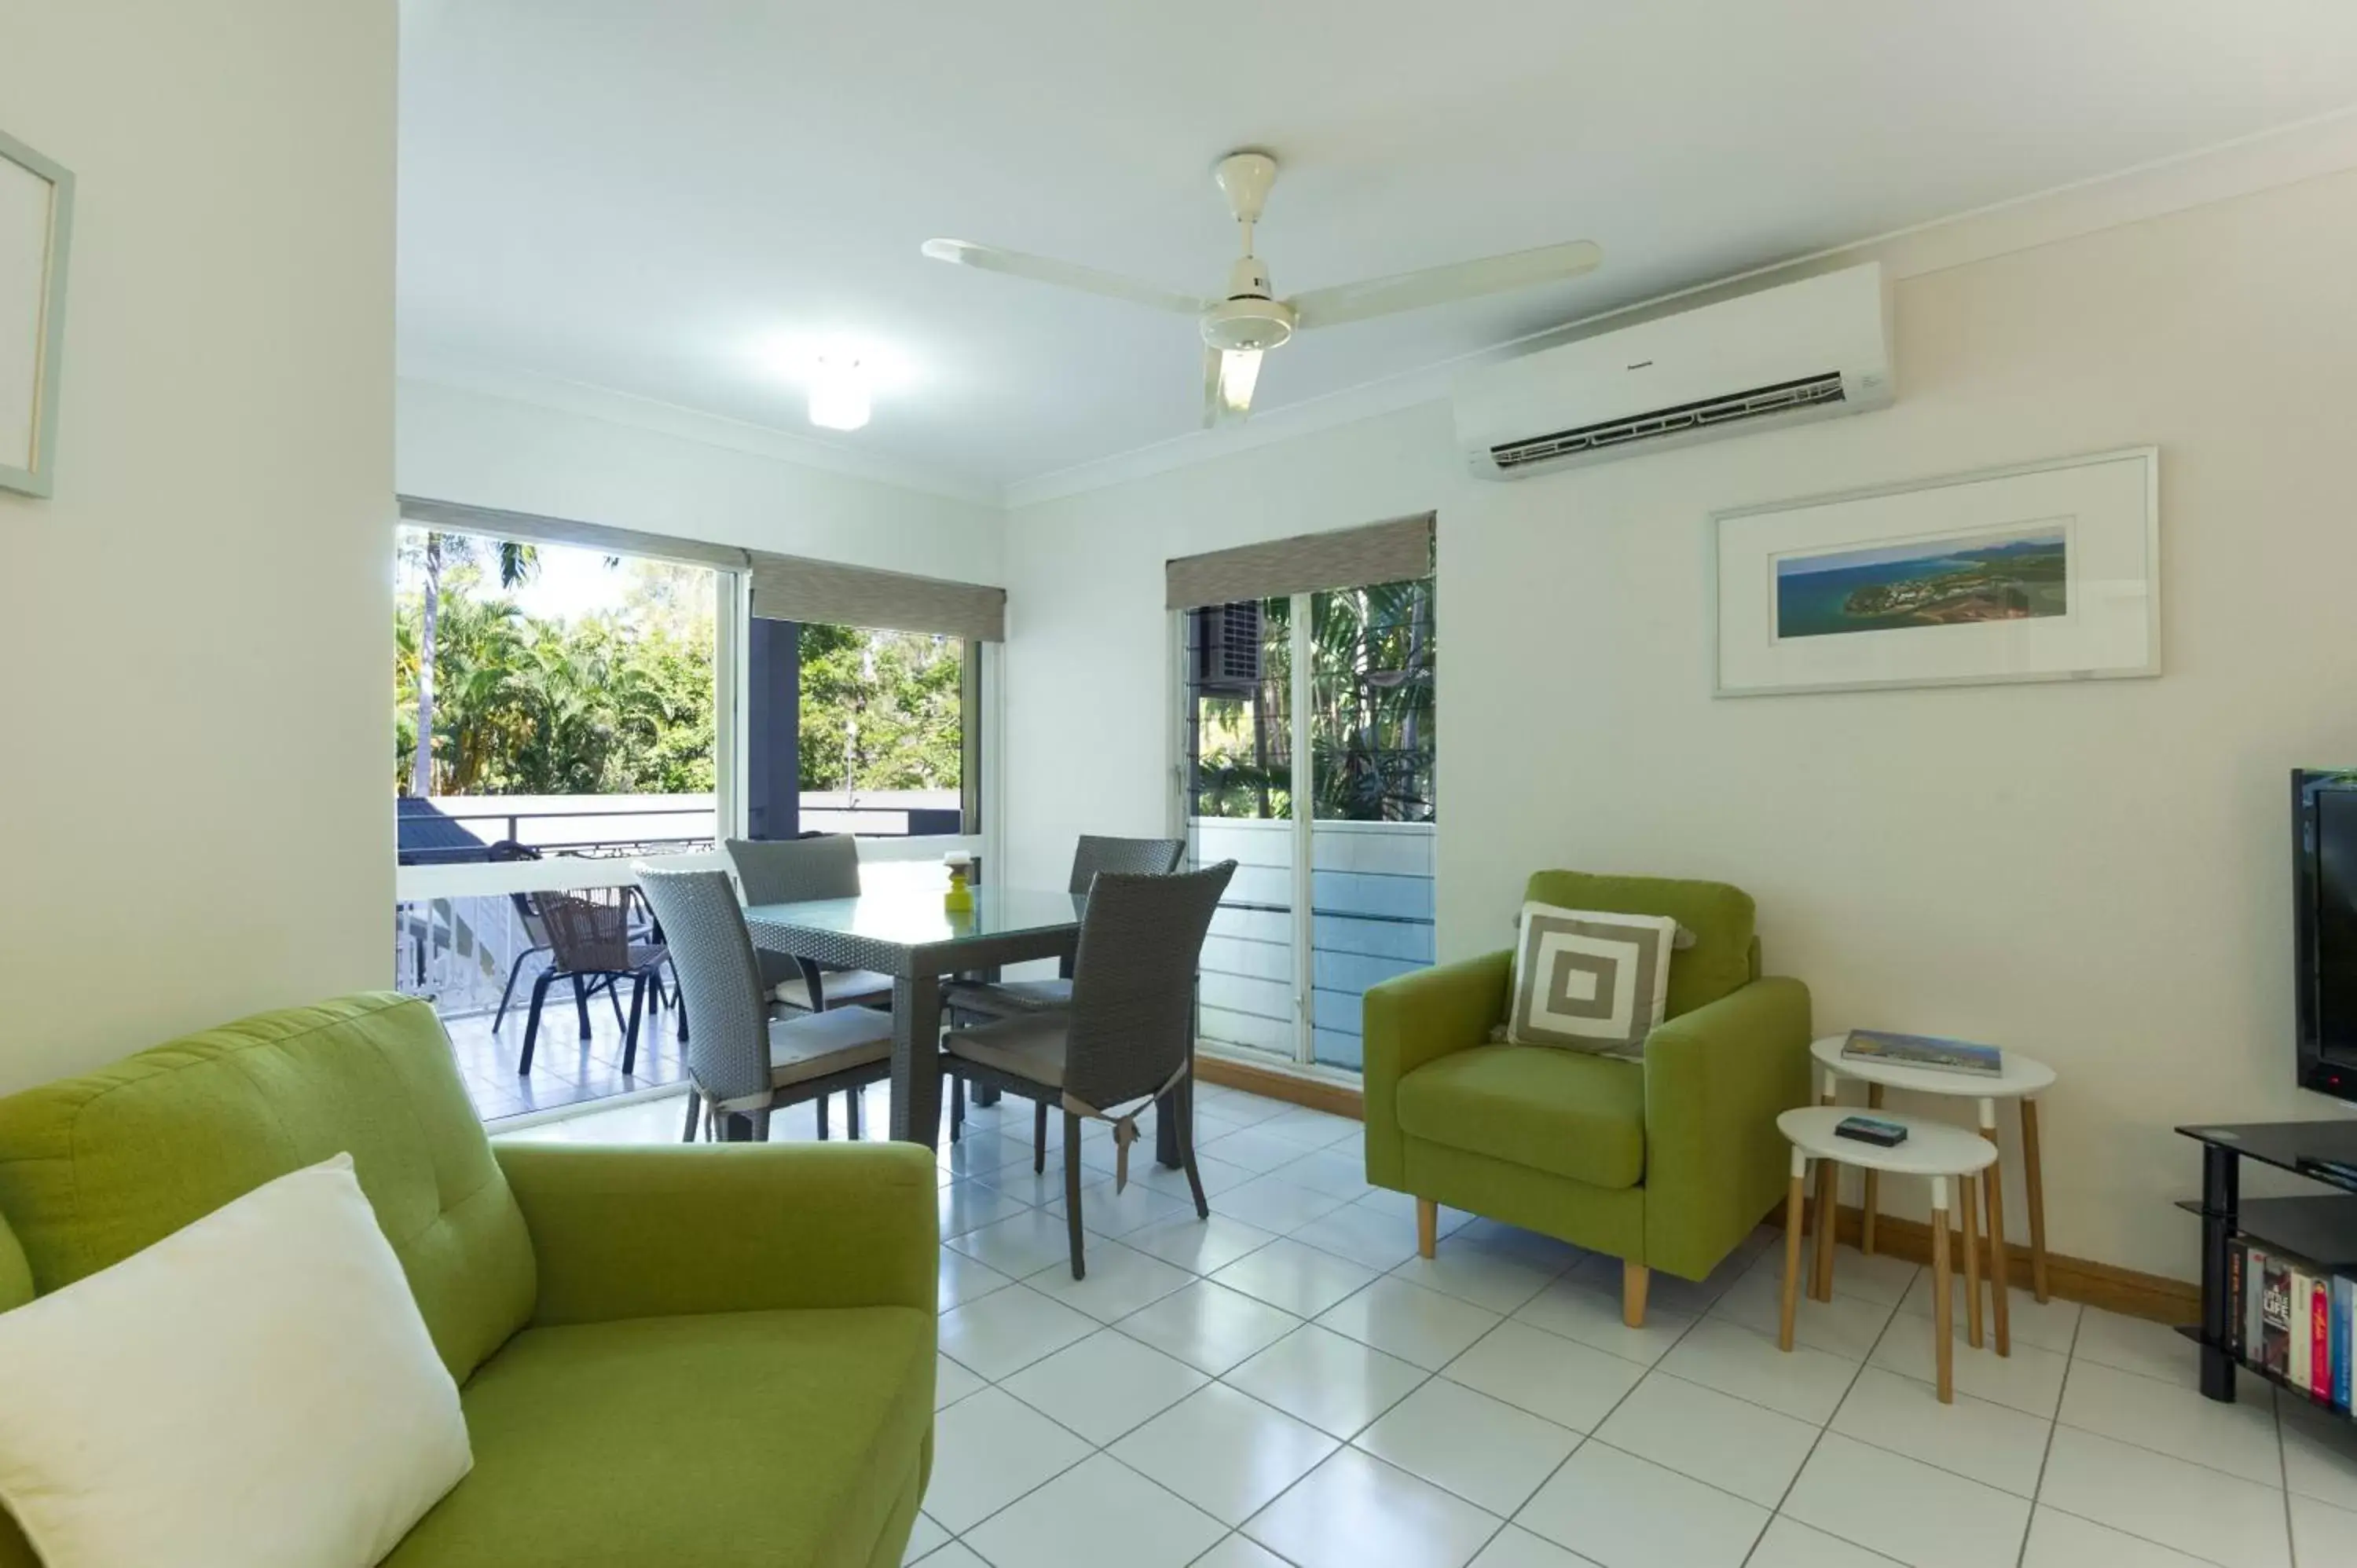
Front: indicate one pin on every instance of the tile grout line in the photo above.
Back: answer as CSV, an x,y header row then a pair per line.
x,y
1897,1311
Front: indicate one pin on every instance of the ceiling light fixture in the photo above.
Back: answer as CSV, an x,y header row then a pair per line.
x,y
1239,373
838,393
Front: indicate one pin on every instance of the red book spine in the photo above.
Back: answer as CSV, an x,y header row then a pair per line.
x,y
2319,1338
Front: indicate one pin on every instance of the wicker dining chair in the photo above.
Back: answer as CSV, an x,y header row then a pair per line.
x,y
798,871
591,944
1005,999
1128,1039
743,1064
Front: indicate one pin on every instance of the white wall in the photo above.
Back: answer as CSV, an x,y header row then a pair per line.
x,y
192,781
460,445
2094,874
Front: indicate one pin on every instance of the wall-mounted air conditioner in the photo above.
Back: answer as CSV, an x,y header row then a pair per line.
x,y
1802,350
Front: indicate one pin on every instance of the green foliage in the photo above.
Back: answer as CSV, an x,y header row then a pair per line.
x,y
611,704
623,702
1371,714
880,710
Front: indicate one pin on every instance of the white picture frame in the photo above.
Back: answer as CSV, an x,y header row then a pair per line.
x,y
2046,570
36,233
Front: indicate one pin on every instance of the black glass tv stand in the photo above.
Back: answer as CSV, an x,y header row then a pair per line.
x,y
2319,1227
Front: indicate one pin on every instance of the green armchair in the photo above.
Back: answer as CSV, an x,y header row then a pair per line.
x,y
712,1354
1665,1163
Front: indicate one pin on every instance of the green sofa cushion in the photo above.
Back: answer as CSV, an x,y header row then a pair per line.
x,y
1565,1112
94,1168
779,1438
15,1274
1721,916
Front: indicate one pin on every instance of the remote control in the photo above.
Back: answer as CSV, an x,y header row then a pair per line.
x,y
1871,1130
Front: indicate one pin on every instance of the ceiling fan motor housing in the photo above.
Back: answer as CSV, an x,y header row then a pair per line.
x,y
1248,318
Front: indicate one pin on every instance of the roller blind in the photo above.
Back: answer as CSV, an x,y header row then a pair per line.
x,y
787,587
526,528
1394,552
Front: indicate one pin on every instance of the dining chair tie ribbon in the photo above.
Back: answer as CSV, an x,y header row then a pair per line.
x,y
1124,1125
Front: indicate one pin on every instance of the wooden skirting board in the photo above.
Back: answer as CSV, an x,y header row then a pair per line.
x,y
1272,1084
2113,1288
2106,1286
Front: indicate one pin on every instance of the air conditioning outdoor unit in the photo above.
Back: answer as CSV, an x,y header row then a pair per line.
x,y
1804,350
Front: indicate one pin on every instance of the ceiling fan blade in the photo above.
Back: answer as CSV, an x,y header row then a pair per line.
x,y
1065,274
1440,285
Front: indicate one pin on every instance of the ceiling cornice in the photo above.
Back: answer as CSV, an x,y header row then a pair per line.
x,y
590,401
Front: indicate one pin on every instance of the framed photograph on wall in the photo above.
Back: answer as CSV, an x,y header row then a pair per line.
x,y
2045,571
36,226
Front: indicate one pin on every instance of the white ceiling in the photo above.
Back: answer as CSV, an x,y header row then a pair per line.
x,y
640,197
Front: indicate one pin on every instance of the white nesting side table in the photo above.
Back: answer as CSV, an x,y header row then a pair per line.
x,y
2022,1081
1934,1149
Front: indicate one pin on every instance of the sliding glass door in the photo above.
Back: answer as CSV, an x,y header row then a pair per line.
x,y
1308,759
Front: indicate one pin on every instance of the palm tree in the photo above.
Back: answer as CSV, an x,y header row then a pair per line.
x,y
517,562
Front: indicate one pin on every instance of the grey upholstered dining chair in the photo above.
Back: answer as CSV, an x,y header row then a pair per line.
x,y
1128,1039
1003,999
798,871
740,1061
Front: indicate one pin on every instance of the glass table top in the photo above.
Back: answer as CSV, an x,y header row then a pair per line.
x,y
916,918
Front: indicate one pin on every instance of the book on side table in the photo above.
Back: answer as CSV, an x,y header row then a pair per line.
x,y
1924,1051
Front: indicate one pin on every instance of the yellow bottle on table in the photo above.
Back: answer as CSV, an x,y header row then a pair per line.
x,y
959,900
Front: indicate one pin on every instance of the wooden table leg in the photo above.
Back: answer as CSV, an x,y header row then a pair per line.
x,y
1993,1202
917,1060
1964,1199
2034,1190
1943,1323
1792,1201
1821,1285
1873,1182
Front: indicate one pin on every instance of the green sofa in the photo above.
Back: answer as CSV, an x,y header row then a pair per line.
x,y
709,1355
1665,1164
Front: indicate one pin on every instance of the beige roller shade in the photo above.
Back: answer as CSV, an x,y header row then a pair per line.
x,y
525,527
787,587
1345,558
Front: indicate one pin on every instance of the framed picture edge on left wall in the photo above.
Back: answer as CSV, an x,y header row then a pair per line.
x,y
41,478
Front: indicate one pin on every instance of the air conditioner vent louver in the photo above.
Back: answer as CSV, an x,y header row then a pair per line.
x,y
1226,640
1732,408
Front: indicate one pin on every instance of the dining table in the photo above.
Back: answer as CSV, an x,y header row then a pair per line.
x,y
911,936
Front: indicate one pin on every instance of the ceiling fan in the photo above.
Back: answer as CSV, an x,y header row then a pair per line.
x,y
1246,320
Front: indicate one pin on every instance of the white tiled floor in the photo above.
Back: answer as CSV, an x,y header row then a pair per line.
x,y
1289,1383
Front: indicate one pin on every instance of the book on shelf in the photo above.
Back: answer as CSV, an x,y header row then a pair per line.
x,y
2250,1269
2296,1351
2319,1333
2296,1320
2272,1349
1924,1051
2344,1296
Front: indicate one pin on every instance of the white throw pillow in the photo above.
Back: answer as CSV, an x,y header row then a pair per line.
x,y
256,1390
1586,979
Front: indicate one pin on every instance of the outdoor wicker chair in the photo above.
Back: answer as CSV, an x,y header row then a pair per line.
x,y
1128,1039
742,1063
506,852
798,871
590,943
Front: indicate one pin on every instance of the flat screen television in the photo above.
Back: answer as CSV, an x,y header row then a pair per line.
x,y
2324,883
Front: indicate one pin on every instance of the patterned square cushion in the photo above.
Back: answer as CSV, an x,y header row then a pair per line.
x,y
1586,979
